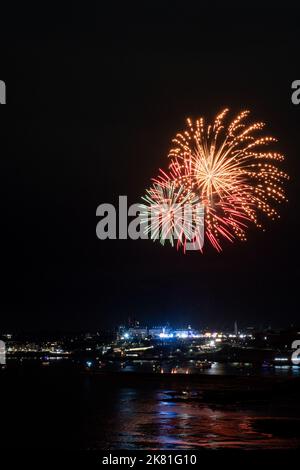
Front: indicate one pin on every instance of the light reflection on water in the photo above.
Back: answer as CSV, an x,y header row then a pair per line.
x,y
235,369
218,368
156,419
115,411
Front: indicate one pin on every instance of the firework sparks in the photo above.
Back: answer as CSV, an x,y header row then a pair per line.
x,y
171,212
225,167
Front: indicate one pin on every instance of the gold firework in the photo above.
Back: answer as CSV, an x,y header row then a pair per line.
x,y
227,168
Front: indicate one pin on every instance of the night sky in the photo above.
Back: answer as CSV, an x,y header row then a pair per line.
x,y
94,99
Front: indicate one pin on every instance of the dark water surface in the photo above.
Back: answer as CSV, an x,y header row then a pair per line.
x,y
58,409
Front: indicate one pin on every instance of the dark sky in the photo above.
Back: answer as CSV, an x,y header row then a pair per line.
x,y
94,98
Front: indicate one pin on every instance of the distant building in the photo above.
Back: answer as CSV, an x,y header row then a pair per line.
x,y
188,332
156,332
137,332
167,332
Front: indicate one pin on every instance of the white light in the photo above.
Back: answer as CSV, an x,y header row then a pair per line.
x,y
166,335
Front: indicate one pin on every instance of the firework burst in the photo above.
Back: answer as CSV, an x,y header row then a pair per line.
x,y
223,168
172,212
226,168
